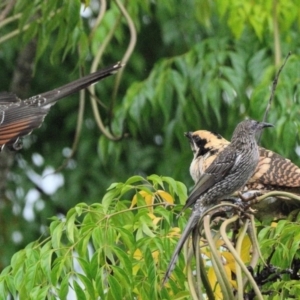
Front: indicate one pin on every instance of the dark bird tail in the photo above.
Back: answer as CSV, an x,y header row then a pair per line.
x,y
52,96
192,222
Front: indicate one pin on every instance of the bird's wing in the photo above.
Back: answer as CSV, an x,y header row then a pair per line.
x,y
18,121
273,169
214,173
220,167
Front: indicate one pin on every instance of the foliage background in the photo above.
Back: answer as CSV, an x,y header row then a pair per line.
x,y
198,64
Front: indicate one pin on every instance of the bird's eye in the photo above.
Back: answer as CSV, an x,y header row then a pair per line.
x,y
254,124
196,138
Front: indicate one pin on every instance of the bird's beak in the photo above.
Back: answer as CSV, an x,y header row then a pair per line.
x,y
189,135
264,125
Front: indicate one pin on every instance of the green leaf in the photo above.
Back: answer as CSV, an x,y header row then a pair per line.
x,y
88,285
181,192
64,288
60,41
46,259
280,226
39,293
31,275
82,246
72,15
9,280
80,207
18,260
56,229
156,180
108,198
124,280
115,288
134,179
19,278
70,224
126,237
78,290
3,289
147,230
85,265
166,214
172,183
58,266
125,260
97,237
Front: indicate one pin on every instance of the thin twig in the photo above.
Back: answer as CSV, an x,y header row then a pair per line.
x,y
274,85
9,6
103,6
278,194
128,53
91,88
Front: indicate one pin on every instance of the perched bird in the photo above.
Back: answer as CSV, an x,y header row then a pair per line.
x,y
19,117
230,171
273,171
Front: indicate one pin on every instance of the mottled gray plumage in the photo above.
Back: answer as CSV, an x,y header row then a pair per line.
x,y
19,117
228,173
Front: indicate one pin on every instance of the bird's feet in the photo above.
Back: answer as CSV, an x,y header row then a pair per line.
x,y
248,199
245,201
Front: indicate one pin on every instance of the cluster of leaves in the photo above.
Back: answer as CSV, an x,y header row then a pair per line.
x,y
209,87
119,248
260,15
43,20
279,243
111,250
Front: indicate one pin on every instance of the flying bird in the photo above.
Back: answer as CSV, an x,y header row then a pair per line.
x,y
273,171
19,117
230,171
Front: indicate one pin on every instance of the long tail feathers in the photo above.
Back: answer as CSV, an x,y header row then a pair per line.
x,y
52,96
192,222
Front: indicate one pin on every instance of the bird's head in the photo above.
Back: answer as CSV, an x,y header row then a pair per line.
x,y
249,128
